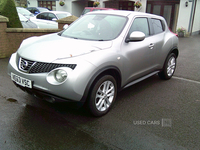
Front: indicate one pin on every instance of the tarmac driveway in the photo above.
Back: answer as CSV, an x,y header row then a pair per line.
x,y
153,114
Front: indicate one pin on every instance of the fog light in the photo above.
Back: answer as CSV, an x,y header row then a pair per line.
x,y
60,75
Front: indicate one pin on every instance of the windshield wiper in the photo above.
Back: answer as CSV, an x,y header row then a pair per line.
x,y
60,33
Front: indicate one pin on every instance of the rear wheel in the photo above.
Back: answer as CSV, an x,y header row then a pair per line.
x,y
169,67
103,95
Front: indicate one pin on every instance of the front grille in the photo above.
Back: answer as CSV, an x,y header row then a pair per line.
x,y
40,67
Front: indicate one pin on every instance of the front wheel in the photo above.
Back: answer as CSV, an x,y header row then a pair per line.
x,y
169,67
102,96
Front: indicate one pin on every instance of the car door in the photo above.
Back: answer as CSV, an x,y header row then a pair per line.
x,y
158,27
139,55
52,20
44,21
40,20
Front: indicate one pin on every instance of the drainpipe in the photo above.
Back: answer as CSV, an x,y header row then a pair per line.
x,y
193,9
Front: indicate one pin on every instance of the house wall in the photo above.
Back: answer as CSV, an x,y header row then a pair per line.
x,y
78,7
33,3
184,15
66,7
114,4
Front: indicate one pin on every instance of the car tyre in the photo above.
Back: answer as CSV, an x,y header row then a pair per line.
x,y
103,95
169,67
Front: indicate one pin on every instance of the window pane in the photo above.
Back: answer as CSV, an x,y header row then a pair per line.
x,y
167,13
156,9
52,16
140,24
149,8
157,26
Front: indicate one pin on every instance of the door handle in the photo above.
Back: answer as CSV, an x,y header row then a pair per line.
x,y
151,46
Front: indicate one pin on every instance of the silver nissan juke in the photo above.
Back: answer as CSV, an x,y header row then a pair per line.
x,y
95,57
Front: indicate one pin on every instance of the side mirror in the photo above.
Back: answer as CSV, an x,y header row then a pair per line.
x,y
36,12
65,26
54,19
136,36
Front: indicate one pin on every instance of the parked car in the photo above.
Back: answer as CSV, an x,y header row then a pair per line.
x,y
89,9
24,12
26,23
37,10
98,55
48,19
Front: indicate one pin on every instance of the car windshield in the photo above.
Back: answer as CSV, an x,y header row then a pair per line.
x,y
63,15
24,11
96,27
22,18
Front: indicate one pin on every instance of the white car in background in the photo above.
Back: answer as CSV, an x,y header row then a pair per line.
x,y
24,12
26,23
48,19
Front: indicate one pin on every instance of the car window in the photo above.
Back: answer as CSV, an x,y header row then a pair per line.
x,y
157,26
42,16
140,24
30,9
34,10
96,9
51,16
86,11
96,27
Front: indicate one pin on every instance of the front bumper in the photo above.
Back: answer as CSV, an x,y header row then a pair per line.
x,y
72,89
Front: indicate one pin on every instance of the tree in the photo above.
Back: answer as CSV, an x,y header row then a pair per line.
x,y
8,9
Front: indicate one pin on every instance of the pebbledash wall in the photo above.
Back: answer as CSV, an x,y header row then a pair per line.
x,y
11,38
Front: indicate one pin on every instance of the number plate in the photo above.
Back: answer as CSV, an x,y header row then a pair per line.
x,y
21,81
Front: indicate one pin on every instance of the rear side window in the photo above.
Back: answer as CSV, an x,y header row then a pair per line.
x,y
157,26
51,16
42,16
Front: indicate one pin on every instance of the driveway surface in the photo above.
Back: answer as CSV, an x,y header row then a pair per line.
x,y
152,114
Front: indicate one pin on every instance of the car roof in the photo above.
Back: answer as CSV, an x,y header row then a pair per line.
x,y
124,13
36,7
56,12
101,8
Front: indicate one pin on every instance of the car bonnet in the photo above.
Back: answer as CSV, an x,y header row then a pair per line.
x,y
51,47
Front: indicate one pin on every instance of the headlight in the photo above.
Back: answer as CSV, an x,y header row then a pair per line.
x,y
57,76
60,75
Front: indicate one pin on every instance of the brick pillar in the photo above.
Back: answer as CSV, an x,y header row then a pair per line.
x,y
66,20
4,44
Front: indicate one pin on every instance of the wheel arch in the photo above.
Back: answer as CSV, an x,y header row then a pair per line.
x,y
109,70
175,51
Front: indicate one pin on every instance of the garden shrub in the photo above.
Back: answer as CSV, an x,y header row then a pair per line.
x,y
8,9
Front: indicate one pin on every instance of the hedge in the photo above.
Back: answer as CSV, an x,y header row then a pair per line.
x,y
8,9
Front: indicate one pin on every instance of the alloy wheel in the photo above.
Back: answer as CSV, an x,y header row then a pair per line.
x,y
104,95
